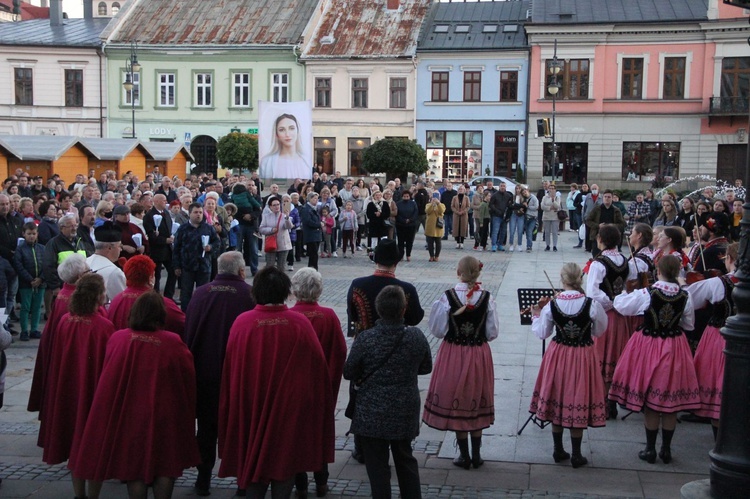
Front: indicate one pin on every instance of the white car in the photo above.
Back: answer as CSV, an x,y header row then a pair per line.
x,y
510,185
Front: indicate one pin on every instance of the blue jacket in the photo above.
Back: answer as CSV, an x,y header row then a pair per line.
x,y
188,247
310,219
28,263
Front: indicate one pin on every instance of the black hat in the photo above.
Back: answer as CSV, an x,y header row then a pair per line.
x,y
121,209
715,222
108,232
386,253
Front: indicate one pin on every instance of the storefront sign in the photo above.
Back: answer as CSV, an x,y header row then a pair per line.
x,y
507,139
160,131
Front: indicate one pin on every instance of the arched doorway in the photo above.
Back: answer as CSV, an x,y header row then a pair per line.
x,y
203,148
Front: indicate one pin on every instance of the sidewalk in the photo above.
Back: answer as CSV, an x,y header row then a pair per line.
x,y
516,466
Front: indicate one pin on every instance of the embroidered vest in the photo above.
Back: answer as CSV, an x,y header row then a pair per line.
x,y
662,318
651,268
725,308
614,281
467,329
573,330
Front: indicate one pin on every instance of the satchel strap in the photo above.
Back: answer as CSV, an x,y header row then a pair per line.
x,y
364,378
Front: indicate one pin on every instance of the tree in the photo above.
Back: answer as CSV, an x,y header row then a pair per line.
x,y
395,157
238,150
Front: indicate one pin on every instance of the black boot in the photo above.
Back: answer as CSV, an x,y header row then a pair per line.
x,y
577,460
559,454
665,453
649,453
715,429
476,459
463,460
611,409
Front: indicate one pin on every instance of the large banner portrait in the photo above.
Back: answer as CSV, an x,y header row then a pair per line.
x,y
285,140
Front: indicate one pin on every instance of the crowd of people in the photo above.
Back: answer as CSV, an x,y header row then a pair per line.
x,y
91,256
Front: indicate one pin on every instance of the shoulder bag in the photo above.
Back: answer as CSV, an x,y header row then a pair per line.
x,y
350,407
271,244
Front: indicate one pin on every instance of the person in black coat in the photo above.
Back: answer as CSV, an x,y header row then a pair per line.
x,y
389,357
160,241
407,222
312,233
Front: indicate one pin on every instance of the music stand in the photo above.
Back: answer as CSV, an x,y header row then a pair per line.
x,y
527,297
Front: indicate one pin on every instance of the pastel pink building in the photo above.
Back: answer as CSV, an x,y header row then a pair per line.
x,y
643,93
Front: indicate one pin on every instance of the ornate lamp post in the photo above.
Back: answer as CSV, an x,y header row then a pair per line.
x,y
555,67
730,458
132,66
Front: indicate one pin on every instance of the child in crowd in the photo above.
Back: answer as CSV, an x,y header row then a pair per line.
x,y
327,220
28,264
234,225
348,225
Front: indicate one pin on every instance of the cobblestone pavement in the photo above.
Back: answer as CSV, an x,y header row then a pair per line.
x,y
517,466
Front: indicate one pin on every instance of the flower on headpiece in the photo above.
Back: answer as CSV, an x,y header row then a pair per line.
x,y
711,223
481,265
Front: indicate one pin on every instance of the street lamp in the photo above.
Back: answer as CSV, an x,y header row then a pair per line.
x,y
555,67
132,66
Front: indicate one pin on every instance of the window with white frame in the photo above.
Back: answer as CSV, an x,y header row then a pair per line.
x,y
203,90
132,97
166,89
280,87
241,89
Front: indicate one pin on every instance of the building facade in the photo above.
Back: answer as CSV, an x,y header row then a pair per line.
x,y
196,85
635,91
361,77
472,87
54,76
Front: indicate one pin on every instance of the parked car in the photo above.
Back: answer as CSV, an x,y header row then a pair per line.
x,y
510,185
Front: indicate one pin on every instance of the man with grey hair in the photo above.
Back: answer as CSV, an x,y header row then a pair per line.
x,y
209,317
108,246
59,248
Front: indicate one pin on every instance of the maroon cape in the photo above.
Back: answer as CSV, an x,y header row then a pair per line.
x,y
59,308
75,365
119,310
142,421
44,350
275,414
326,324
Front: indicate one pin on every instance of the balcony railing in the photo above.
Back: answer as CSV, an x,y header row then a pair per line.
x,y
729,106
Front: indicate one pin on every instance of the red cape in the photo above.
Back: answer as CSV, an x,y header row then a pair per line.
x,y
142,421
44,351
59,308
119,311
326,324
75,365
275,414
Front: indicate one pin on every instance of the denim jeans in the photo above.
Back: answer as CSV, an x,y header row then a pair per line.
x,y
499,229
190,281
517,223
247,243
529,230
448,217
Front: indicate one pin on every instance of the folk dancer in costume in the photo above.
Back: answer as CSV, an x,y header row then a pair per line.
x,y
716,294
713,228
655,373
569,390
461,393
671,241
360,300
607,275
640,265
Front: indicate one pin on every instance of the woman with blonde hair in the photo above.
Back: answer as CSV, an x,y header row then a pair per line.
x,y
569,391
103,213
285,160
461,394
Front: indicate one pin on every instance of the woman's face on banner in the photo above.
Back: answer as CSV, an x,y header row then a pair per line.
x,y
286,133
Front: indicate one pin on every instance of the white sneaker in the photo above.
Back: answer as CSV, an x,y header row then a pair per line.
x,y
335,254
289,268
511,249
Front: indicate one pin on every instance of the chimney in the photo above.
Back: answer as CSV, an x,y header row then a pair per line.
x,y
55,13
88,9
392,4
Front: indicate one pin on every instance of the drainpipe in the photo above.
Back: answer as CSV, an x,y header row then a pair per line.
x,y
99,52
526,142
